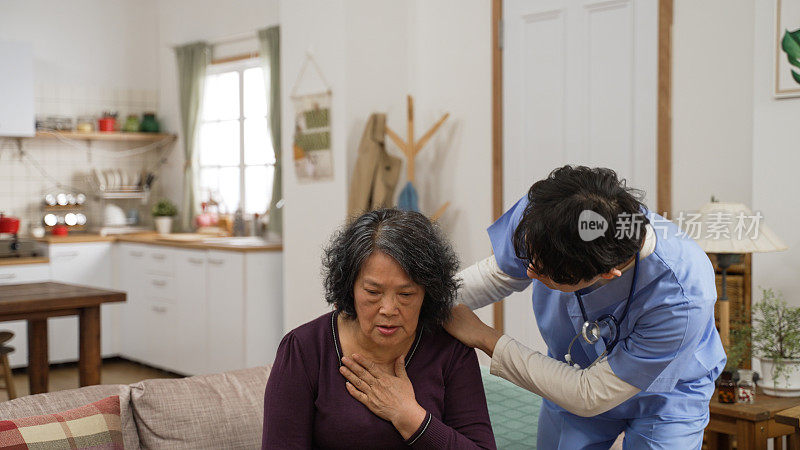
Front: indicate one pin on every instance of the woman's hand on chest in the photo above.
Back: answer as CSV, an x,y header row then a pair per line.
x,y
390,396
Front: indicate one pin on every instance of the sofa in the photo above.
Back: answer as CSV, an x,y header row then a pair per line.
x,y
218,411
225,410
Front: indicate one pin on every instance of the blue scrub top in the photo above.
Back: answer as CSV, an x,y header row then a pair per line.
x,y
669,346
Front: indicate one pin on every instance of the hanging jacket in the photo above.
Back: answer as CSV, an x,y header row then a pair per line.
x,y
376,172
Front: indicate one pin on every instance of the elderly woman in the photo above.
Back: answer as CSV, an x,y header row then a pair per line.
x,y
379,371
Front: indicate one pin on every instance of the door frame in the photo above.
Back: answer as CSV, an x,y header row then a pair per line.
x,y
664,127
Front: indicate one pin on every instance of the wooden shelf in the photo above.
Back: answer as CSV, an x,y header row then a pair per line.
x,y
106,136
67,208
123,194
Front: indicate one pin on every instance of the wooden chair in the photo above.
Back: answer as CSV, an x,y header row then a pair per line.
x,y
5,367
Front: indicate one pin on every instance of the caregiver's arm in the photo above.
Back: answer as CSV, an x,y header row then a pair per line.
x,y
484,283
584,392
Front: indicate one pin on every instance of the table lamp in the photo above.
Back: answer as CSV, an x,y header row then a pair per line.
x,y
735,230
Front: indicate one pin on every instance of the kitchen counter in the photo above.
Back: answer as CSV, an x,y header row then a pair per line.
x,y
20,261
180,240
75,238
201,242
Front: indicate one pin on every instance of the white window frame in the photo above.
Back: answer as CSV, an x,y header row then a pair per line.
x,y
239,66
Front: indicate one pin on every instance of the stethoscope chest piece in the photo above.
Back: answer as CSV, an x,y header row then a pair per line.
x,y
591,330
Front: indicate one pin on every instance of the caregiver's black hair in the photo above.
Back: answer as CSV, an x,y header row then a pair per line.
x,y
547,236
418,246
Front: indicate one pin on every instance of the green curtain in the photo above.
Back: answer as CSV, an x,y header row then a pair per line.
x,y
270,41
192,62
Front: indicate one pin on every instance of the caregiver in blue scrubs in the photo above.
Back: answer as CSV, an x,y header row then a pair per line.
x,y
625,303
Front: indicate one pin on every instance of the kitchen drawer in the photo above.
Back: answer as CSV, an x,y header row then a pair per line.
x,y
25,273
159,287
132,252
160,260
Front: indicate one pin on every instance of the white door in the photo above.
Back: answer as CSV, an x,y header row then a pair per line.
x,y
580,86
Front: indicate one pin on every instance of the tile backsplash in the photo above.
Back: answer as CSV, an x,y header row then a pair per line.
x,y
75,101
64,165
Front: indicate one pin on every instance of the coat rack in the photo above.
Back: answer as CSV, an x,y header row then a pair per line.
x,y
411,148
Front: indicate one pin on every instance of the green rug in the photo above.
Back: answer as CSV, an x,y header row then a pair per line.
x,y
514,412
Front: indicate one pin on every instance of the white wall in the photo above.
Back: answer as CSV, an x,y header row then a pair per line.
x,y
453,73
725,116
184,21
712,102
731,137
374,53
93,43
89,56
311,211
775,164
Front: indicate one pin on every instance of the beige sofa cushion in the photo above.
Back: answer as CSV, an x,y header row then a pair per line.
x,y
53,402
216,411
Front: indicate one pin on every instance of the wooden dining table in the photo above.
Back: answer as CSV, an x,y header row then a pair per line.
x,y
36,302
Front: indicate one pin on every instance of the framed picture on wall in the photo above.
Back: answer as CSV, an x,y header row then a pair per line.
x,y
787,48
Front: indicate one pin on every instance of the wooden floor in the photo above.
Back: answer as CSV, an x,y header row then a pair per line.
x,y
65,376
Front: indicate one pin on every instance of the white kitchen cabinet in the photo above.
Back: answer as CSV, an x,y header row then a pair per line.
x,y
263,307
191,342
130,271
200,311
189,311
225,286
15,274
16,89
161,328
160,261
146,274
89,264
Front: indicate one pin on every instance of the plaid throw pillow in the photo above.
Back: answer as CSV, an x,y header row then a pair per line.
x,y
96,426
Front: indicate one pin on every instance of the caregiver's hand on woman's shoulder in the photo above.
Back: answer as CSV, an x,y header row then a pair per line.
x,y
389,396
468,328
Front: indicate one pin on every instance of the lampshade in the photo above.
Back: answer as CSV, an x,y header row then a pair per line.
x,y
733,228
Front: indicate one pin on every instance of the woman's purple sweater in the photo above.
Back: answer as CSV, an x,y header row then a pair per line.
x,y
306,404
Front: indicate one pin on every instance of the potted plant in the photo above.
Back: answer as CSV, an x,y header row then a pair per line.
x,y
776,339
163,212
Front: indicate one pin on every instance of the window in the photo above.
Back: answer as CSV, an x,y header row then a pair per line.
x,y
236,156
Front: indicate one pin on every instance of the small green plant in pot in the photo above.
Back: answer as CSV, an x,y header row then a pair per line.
x,y
776,339
163,212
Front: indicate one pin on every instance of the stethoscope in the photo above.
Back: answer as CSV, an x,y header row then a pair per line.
x,y
590,331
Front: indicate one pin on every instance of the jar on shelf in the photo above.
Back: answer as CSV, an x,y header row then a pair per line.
x,y
726,389
745,389
108,122
149,123
131,124
85,124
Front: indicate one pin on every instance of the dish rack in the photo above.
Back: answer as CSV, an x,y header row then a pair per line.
x,y
113,184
